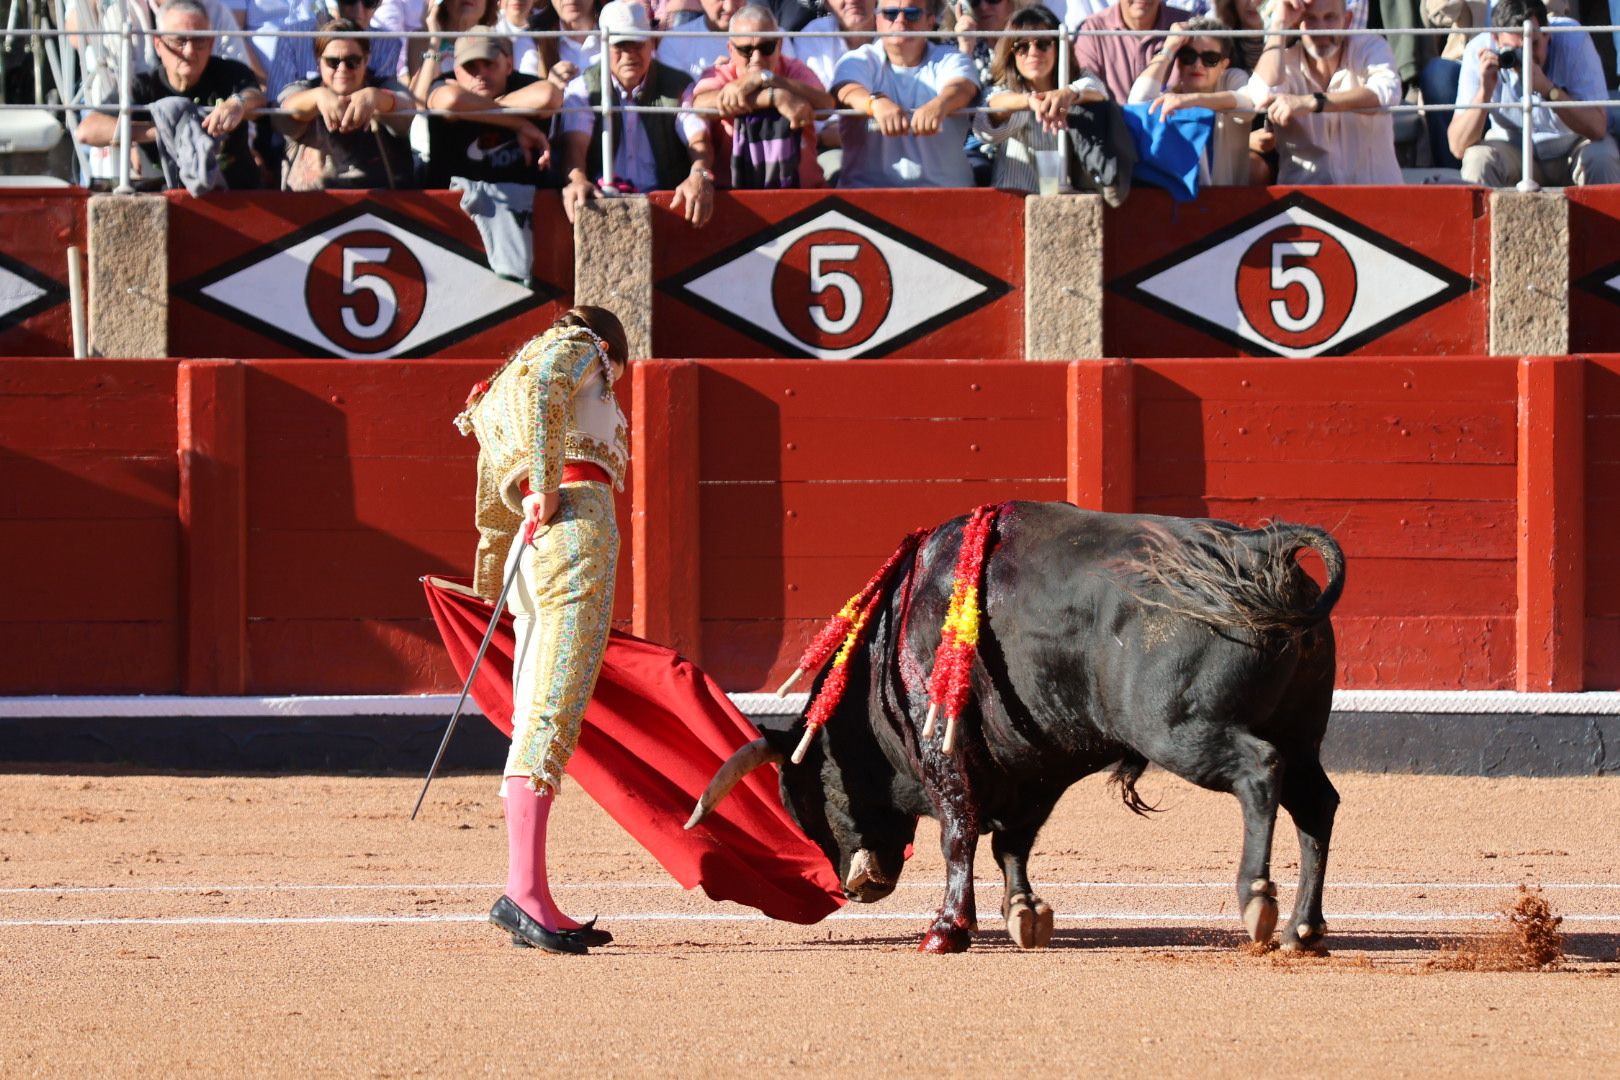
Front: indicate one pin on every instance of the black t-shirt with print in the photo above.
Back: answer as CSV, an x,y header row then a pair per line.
x,y
482,151
220,79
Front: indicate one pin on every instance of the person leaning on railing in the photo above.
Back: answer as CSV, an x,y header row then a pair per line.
x,y
856,19
476,142
437,57
765,135
1029,108
913,90
344,129
1119,60
651,151
1324,97
1572,146
1196,72
293,59
188,69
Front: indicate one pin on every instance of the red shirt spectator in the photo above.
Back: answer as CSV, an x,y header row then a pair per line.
x,y
1117,61
730,70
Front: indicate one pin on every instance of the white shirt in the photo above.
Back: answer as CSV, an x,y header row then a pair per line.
x,y
1339,147
632,155
693,55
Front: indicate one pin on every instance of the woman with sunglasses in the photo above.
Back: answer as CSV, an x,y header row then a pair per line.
x,y
341,128
1028,107
1196,72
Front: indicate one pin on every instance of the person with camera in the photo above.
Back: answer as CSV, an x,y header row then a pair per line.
x,y
1571,145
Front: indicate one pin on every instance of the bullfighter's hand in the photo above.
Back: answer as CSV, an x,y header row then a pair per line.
x,y
538,510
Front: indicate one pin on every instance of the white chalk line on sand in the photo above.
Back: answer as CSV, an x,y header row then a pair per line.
x,y
981,883
1190,918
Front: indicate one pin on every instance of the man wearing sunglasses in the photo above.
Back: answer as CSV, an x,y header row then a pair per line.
x,y
226,91
913,91
757,78
1117,61
294,58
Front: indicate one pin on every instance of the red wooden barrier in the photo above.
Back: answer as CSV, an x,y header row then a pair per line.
x,y
89,534
1299,272
36,228
1594,267
359,274
1602,592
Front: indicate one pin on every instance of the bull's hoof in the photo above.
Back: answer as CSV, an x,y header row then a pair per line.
x,y
1260,913
946,939
1043,923
1029,921
1306,939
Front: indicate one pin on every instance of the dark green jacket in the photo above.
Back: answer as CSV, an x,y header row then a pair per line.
x,y
662,86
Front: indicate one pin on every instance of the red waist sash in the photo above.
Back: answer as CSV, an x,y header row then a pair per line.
x,y
576,472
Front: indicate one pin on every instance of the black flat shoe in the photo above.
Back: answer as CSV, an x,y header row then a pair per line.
x,y
585,934
508,916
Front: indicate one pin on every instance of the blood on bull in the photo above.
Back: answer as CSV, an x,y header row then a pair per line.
x,y
1098,640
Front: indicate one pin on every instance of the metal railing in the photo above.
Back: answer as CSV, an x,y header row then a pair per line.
x,y
129,34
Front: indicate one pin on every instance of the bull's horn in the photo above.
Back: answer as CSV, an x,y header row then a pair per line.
x,y
737,766
798,673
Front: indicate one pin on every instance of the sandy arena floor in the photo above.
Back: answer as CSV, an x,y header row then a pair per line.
x,y
162,925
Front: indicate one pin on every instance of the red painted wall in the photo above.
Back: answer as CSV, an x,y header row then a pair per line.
x,y
1594,262
36,228
279,551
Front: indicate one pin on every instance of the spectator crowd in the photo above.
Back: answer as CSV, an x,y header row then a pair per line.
x,y
894,93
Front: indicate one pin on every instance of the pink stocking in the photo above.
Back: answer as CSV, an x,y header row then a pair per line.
x,y
526,817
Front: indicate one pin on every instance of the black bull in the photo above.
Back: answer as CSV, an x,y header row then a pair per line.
x,y
1107,639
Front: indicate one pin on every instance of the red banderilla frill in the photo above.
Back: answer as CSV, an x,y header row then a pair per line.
x,y
948,683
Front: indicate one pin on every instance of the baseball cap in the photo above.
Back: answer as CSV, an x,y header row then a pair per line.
x,y
483,44
622,20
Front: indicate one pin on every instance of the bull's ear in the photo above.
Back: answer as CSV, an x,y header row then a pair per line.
x,y
783,736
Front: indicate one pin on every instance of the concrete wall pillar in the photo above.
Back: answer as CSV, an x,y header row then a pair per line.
x,y
613,264
1529,273
1063,277
129,275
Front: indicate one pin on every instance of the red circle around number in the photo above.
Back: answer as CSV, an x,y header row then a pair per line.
x,y
366,291
832,289
1296,285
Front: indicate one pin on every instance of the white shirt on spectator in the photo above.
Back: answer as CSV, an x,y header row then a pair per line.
x,y
582,54
632,155
1572,63
820,54
693,55
1339,147
875,160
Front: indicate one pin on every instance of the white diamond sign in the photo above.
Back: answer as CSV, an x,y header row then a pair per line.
x,y
365,285
835,283
25,292
1298,281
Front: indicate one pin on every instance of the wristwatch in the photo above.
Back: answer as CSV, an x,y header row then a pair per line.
x,y
700,171
1321,102
767,77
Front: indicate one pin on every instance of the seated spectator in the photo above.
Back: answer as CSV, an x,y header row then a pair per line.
x,y
1119,60
1029,107
695,55
99,55
1572,146
976,15
293,60
765,136
855,18
913,91
438,59
1242,15
483,145
561,59
187,69
651,151
515,18
341,129
1318,93
1197,72
1442,73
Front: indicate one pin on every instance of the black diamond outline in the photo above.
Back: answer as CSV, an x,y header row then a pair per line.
x,y
1453,283
675,286
540,294
55,292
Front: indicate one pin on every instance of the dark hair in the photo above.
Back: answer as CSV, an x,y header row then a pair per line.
x,y
1003,71
1510,14
332,28
1202,25
604,324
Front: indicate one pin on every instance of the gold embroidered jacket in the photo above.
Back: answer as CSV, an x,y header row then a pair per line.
x,y
550,404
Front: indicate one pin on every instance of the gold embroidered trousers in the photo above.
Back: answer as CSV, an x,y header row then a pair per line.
x,y
562,605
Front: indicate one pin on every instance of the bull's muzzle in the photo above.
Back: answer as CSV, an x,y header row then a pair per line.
x,y
866,882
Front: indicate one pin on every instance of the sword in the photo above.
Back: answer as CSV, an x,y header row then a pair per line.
x,y
528,536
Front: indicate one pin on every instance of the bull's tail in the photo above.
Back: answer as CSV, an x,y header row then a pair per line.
x,y
1126,773
1243,579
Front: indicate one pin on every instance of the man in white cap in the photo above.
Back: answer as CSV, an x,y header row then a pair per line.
x,y
651,151
490,146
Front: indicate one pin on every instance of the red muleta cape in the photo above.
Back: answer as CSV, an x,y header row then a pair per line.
x,y
656,730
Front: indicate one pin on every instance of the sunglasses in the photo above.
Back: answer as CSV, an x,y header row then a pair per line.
x,y
1186,56
349,60
764,48
896,14
179,42
1039,45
